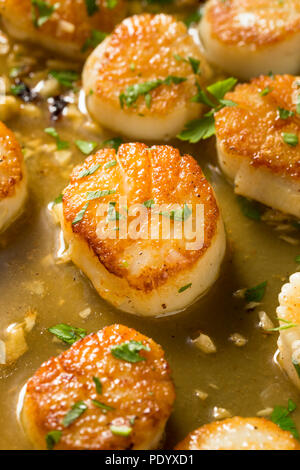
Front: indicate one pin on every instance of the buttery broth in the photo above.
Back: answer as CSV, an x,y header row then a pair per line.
x,y
243,380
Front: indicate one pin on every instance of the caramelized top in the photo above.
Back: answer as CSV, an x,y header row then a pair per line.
x,y
258,22
239,434
11,161
69,22
145,48
141,174
254,129
141,394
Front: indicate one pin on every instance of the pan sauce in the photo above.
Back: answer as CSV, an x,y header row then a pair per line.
x,y
242,380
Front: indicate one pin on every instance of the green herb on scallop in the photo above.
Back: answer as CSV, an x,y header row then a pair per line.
x,y
41,12
133,92
60,144
98,385
110,164
86,147
67,333
53,438
287,325
256,294
66,78
89,171
194,63
290,138
193,18
149,203
123,431
91,195
184,288
129,351
74,413
112,213
281,417
285,113
91,7
198,129
58,199
266,91
103,407
80,214
95,38
178,214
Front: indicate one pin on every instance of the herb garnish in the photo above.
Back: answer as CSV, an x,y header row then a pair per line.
x,y
89,171
288,324
250,209
112,213
266,91
285,113
129,351
204,128
132,93
86,147
58,199
41,12
53,438
96,38
110,164
66,78
60,144
97,194
98,385
280,416
91,7
104,407
297,259
114,143
121,430
194,63
80,214
256,294
178,214
290,139
74,413
149,203
183,288
111,3
193,18
67,333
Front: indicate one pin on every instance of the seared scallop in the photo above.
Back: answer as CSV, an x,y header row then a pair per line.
x,y
239,434
141,80
288,314
144,226
111,390
71,28
251,37
12,177
258,141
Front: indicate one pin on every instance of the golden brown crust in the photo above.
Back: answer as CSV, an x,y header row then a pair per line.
x,y
149,42
236,434
142,390
142,174
254,130
253,22
74,12
11,162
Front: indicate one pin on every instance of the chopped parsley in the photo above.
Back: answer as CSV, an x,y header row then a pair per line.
x,y
53,438
110,164
97,194
297,259
290,138
266,91
121,430
65,78
112,213
281,417
91,7
256,294
60,144
74,413
86,147
58,199
104,407
95,38
111,3
41,12
67,333
194,63
250,209
149,203
193,18
114,143
285,113
89,171
133,92
129,351
287,325
178,214
205,127
80,214
98,385
183,288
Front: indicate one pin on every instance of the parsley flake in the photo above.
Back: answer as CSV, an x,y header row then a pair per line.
x,y
74,413
67,333
129,351
53,438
